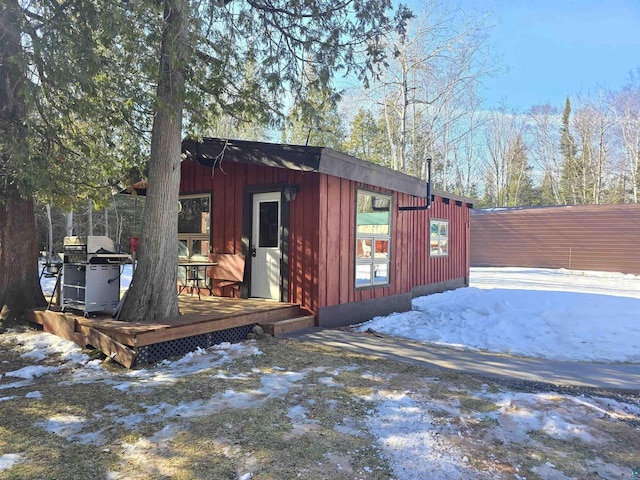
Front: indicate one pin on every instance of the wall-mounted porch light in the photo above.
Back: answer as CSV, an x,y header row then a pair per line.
x,y
290,192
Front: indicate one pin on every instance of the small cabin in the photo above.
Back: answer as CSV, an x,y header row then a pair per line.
x,y
344,238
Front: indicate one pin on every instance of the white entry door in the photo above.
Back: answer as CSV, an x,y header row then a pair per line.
x,y
265,246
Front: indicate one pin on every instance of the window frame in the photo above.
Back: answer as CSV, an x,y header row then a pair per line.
x,y
439,237
188,239
369,239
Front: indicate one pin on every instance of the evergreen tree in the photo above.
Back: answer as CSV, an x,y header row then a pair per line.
x,y
519,189
67,122
367,139
545,191
569,160
205,47
314,120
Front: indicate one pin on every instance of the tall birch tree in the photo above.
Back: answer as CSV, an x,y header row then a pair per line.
x,y
433,70
627,111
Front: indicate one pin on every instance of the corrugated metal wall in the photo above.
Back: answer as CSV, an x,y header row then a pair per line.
x,y
580,237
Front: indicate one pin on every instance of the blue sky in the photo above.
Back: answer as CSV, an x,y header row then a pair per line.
x,y
555,48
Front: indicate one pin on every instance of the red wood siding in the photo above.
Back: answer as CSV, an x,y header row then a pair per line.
x,y
322,232
227,191
585,237
411,265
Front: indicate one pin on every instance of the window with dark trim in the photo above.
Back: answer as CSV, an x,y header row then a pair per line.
x,y
373,239
438,238
194,227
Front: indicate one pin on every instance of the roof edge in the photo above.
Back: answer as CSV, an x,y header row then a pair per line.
x,y
210,151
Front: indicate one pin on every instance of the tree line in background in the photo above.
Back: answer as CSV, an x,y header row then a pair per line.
x,y
120,218
99,94
586,151
426,104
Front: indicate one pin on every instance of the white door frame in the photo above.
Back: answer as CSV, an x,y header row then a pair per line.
x,y
266,245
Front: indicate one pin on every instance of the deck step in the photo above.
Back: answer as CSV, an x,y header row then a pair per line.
x,y
288,325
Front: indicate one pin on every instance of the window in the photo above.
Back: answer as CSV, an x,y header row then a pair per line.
x,y
373,239
439,238
194,227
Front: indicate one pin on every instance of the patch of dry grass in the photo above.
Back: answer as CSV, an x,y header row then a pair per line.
x,y
315,429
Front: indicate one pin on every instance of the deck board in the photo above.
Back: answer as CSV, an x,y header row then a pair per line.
x,y
205,315
120,339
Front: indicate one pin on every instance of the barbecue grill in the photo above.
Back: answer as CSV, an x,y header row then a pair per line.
x,y
91,274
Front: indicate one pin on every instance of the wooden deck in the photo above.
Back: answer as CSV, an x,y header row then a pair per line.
x,y
122,341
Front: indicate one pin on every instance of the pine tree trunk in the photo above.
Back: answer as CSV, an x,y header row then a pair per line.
x,y
19,286
153,293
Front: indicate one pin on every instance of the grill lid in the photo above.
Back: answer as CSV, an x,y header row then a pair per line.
x,y
89,244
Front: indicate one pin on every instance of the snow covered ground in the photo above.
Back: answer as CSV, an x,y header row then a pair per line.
x,y
548,313
556,314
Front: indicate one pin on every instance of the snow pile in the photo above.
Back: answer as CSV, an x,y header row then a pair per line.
x,y
534,312
41,347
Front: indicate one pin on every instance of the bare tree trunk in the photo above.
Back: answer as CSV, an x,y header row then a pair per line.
x,y
153,293
19,286
69,224
630,129
392,144
404,87
544,151
49,233
89,217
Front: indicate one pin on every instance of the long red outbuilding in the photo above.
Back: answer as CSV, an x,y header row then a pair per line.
x,y
344,238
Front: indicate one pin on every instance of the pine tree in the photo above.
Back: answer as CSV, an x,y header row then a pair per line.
x,y
519,189
367,139
569,163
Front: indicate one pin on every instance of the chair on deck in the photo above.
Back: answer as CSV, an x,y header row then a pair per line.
x,y
229,272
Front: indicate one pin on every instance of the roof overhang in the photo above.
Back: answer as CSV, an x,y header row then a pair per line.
x,y
215,151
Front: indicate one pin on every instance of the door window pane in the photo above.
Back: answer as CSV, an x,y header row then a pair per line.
x,y
268,225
